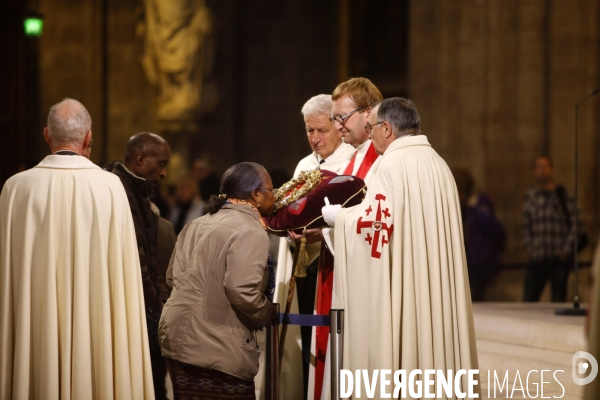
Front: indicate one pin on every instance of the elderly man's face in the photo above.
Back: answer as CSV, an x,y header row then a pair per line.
x,y
377,133
322,136
353,129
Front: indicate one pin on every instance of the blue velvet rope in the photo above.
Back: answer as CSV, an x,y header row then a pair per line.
x,y
304,319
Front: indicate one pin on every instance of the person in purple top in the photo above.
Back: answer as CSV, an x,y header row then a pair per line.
x,y
484,235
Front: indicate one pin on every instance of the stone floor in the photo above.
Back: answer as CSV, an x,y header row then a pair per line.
x,y
517,338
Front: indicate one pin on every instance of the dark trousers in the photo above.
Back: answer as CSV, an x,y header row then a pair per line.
x,y
539,272
159,366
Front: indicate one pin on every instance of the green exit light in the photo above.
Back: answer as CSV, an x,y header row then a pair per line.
x,y
33,26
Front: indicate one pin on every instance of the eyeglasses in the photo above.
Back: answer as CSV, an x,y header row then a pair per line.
x,y
341,119
369,127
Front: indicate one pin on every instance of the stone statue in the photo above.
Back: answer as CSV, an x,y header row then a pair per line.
x,y
175,33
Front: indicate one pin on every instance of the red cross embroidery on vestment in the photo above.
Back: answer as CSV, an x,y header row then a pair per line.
x,y
377,225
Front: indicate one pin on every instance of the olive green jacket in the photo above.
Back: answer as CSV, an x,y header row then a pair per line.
x,y
219,274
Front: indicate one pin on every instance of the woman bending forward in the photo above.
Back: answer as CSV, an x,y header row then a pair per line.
x,y
220,274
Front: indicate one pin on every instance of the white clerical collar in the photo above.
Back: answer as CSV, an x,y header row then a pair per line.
x,y
129,172
364,146
66,162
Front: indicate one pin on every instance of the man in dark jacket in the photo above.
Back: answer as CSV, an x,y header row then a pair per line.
x,y
146,159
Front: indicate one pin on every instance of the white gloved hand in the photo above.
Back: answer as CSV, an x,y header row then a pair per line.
x,y
329,212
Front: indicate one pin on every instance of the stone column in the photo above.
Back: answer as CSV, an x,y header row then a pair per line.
x,y
495,82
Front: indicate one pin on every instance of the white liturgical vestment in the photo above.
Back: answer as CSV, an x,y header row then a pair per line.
x,y
72,320
400,268
333,163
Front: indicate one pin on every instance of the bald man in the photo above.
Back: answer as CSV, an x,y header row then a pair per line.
x,y
146,158
71,302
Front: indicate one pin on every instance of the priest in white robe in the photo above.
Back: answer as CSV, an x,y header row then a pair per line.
x,y
352,102
400,269
348,108
330,153
72,321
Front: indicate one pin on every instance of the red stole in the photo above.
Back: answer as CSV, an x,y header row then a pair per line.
x,y
366,164
324,293
325,280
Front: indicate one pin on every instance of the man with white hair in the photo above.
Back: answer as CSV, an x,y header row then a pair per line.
x,y
72,321
329,153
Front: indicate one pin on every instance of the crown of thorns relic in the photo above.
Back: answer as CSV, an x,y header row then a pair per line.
x,y
299,203
297,188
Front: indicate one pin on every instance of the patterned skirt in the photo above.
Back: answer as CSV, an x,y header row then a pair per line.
x,y
195,383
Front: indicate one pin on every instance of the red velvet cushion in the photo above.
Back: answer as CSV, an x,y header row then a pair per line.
x,y
346,190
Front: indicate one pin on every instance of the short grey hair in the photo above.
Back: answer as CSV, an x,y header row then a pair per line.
x,y
319,104
68,122
401,114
